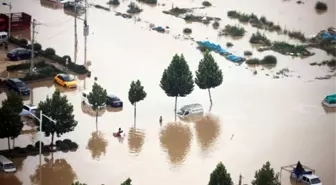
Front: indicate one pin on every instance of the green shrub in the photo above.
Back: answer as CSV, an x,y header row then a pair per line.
x,y
258,38
25,66
58,142
22,151
47,72
46,149
206,3
23,42
37,144
235,31
114,2
65,57
233,14
248,53
64,147
297,34
321,6
148,1
133,8
244,18
215,25
269,59
253,61
67,141
30,148
285,48
73,146
19,42
229,44
49,52
187,30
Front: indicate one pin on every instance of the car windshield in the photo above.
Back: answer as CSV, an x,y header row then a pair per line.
x,y
9,166
315,181
68,78
20,84
180,112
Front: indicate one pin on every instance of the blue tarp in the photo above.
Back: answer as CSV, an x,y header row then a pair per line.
x,y
328,35
220,50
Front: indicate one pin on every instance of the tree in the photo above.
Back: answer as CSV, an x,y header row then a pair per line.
x,y
208,75
10,122
78,183
97,98
127,182
177,79
59,109
266,176
220,176
136,93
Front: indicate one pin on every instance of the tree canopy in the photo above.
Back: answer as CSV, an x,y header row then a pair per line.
x,y
220,176
10,122
59,109
78,183
266,176
136,92
97,97
177,79
208,75
127,182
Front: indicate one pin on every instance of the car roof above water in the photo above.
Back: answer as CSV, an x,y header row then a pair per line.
x,y
15,80
112,96
193,106
4,160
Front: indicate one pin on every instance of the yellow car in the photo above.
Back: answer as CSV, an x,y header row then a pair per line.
x,y
66,81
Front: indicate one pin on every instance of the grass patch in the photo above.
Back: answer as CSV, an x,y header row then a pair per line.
x,y
235,31
133,8
258,38
114,2
206,3
187,31
229,44
153,2
215,25
321,6
267,60
289,49
248,53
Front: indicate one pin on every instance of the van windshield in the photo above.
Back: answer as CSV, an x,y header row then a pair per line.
x,y
9,166
315,181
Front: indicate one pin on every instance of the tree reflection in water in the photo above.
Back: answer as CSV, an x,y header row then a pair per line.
x,y
9,179
175,139
207,131
54,173
97,145
18,162
136,139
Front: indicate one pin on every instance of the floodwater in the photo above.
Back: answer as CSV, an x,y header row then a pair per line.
x,y
254,119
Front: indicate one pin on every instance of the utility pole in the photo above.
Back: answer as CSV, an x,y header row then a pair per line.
x,y
10,17
76,39
86,33
32,45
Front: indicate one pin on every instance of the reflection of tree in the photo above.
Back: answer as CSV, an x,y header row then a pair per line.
x,y
54,173
97,145
18,162
88,110
10,179
135,140
207,131
175,138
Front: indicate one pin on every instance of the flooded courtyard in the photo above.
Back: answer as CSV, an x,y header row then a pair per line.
x,y
254,119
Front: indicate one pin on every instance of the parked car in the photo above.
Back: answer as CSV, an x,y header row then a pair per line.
x,y
3,37
18,86
85,99
20,54
6,165
66,81
114,101
30,108
189,110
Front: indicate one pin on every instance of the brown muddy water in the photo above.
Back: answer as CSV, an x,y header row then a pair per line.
x,y
254,119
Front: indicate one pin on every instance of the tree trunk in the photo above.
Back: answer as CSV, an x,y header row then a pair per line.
x,y
134,114
210,96
52,139
13,142
8,143
175,107
96,120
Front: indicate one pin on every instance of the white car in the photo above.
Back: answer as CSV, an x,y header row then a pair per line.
x,y
85,99
189,110
308,179
30,108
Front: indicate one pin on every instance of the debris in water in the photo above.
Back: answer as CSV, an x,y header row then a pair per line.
x,y
232,136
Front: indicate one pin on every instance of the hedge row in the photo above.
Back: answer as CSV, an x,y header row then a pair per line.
x,y
50,53
33,150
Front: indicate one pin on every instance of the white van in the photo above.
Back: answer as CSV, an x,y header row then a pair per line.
x,y
3,37
6,165
191,109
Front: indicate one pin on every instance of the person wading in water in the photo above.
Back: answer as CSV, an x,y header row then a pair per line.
x,y
160,120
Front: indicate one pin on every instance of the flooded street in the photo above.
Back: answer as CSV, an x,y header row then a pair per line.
x,y
254,119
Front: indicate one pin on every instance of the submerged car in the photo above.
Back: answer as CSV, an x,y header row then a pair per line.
x,y
20,54
189,110
6,165
18,86
66,81
114,101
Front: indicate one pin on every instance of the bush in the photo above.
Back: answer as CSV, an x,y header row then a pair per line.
x,y
258,38
49,71
253,61
229,44
233,14
67,141
215,25
321,6
206,3
58,142
114,2
148,1
30,148
23,42
63,147
187,30
19,42
235,31
133,8
297,35
37,144
269,59
46,149
285,48
248,53
22,151
49,52
73,146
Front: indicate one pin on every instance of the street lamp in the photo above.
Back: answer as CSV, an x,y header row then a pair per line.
x,y
10,17
25,112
